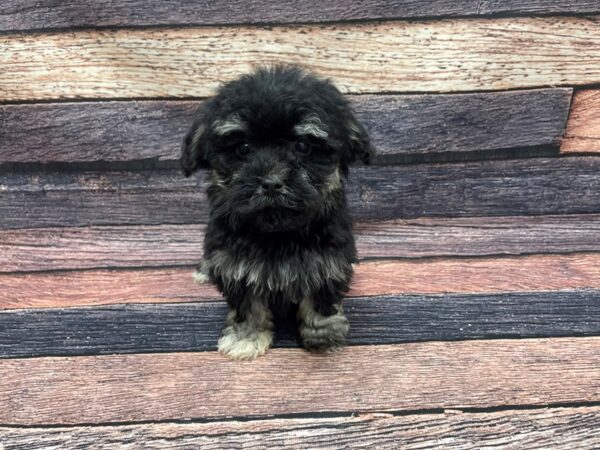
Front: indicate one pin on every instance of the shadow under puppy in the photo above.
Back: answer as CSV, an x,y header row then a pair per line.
x,y
277,143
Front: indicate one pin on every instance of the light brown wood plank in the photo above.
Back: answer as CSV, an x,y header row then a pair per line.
x,y
556,428
435,276
440,56
48,14
510,274
102,287
371,378
38,249
583,126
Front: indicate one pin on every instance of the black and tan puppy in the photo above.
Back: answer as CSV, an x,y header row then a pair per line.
x,y
277,144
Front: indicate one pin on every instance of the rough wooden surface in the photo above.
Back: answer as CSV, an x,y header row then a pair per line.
x,y
37,249
373,320
556,428
439,56
583,129
123,388
488,188
121,131
48,14
535,273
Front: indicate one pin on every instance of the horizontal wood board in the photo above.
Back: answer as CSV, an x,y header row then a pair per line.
x,y
48,14
35,249
583,130
556,428
437,56
538,186
398,125
374,320
432,375
534,273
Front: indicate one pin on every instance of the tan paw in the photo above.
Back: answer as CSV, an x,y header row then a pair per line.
x,y
240,345
200,277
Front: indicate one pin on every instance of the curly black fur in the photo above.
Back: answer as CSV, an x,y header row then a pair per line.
x,y
277,143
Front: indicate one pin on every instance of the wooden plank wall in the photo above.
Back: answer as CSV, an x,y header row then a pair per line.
x,y
475,310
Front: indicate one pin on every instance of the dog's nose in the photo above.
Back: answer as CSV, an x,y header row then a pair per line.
x,y
271,184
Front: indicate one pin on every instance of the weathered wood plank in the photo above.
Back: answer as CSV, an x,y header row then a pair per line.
x,y
535,273
48,14
556,428
478,236
101,287
35,249
122,131
487,188
440,56
374,320
583,128
125,388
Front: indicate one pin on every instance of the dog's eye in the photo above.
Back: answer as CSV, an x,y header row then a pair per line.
x,y
303,148
242,149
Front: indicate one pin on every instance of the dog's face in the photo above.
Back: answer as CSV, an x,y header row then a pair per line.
x,y
278,144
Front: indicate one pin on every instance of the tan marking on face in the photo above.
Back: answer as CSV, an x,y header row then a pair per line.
x,y
311,125
229,125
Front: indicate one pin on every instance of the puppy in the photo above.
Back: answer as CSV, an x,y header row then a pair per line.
x,y
277,144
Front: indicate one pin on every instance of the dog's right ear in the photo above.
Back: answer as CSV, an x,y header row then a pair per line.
x,y
193,153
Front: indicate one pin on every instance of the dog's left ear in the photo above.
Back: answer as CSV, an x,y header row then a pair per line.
x,y
359,143
193,153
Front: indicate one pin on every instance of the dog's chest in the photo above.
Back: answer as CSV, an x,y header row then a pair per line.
x,y
276,269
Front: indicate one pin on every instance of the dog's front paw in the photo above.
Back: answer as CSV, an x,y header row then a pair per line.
x,y
200,276
325,334
238,342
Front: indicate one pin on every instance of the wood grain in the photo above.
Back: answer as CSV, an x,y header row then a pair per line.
x,y
439,56
374,320
535,273
398,125
539,186
556,428
47,14
125,388
583,129
35,249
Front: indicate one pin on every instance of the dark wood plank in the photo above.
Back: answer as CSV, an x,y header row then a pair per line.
x,y
460,55
556,428
48,14
583,130
374,320
156,387
122,131
534,273
488,188
35,249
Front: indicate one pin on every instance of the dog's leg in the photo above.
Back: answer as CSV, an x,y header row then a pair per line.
x,y
200,275
248,332
323,328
